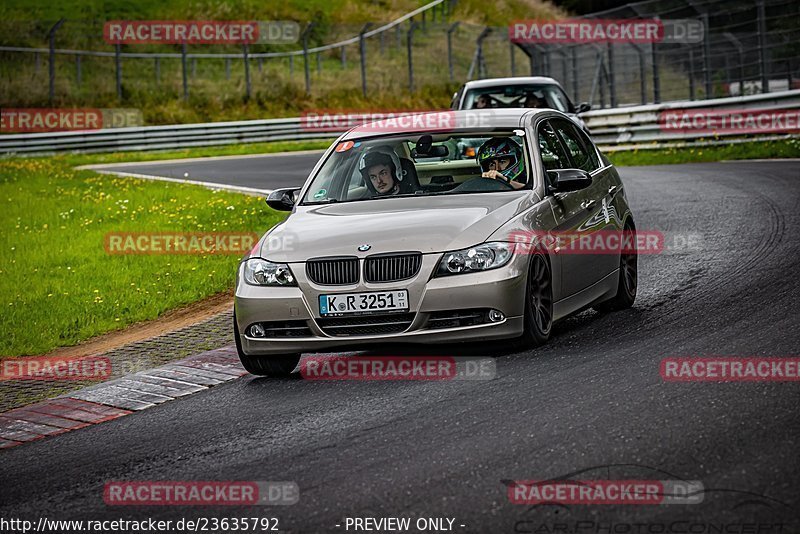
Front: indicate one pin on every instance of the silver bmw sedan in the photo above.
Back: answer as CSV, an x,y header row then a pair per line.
x,y
399,237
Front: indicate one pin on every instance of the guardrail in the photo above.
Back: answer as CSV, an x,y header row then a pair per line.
x,y
629,127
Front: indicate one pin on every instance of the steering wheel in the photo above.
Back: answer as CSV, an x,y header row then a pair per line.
x,y
484,184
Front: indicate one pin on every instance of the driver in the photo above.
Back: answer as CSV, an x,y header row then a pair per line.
x,y
501,158
533,101
379,168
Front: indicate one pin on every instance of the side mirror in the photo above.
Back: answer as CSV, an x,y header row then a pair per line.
x,y
583,107
282,199
565,180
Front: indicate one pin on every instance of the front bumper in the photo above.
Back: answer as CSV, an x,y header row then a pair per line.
x,y
500,289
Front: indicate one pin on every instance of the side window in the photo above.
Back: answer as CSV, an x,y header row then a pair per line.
x,y
553,156
581,152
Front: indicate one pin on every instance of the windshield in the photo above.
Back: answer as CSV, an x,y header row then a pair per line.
x,y
518,96
422,165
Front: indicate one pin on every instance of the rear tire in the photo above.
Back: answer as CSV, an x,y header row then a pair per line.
x,y
628,280
538,303
274,366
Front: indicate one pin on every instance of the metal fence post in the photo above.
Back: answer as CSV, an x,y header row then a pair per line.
x,y
612,84
185,74
575,84
291,65
248,87
157,69
305,56
51,37
656,78
118,64
227,68
38,62
479,52
691,75
409,41
344,58
707,58
78,76
762,46
319,63
362,46
194,68
511,55
261,64
450,31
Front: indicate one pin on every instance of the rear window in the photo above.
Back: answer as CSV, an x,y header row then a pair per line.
x,y
518,96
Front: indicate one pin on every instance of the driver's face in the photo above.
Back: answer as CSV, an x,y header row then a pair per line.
x,y
499,164
381,178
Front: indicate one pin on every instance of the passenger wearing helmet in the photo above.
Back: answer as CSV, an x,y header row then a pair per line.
x,y
382,171
501,158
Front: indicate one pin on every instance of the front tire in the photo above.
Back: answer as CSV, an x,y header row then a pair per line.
x,y
538,303
273,366
628,280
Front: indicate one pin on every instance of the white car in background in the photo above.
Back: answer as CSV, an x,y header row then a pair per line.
x,y
514,91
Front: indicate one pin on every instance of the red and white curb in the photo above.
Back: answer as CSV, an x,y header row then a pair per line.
x,y
119,397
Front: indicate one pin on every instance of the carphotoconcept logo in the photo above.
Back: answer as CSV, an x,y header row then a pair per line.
x,y
180,242
200,493
31,120
338,367
200,32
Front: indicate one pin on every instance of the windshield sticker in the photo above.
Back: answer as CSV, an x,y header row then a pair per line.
x,y
344,146
321,193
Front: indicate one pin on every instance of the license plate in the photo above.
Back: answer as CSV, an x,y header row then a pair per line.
x,y
380,301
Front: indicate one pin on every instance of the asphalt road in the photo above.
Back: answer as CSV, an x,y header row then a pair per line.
x,y
260,172
591,401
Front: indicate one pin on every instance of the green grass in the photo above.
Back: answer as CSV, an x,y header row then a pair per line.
x,y
785,148
58,286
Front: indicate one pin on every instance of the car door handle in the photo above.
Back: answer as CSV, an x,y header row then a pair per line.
x,y
586,204
612,189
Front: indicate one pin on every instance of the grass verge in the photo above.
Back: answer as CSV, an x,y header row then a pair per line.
x,y
59,286
784,148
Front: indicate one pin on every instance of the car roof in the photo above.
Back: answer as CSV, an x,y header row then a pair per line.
x,y
513,80
460,120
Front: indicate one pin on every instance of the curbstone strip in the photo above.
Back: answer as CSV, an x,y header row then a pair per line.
x,y
119,397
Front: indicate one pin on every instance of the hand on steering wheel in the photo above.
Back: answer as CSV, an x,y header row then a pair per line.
x,y
495,175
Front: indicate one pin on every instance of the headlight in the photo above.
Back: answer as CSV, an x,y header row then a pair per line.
x,y
479,258
260,272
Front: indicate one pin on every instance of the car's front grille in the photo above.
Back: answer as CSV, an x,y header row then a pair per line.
x,y
456,318
366,325
279,329
333,271
392,267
